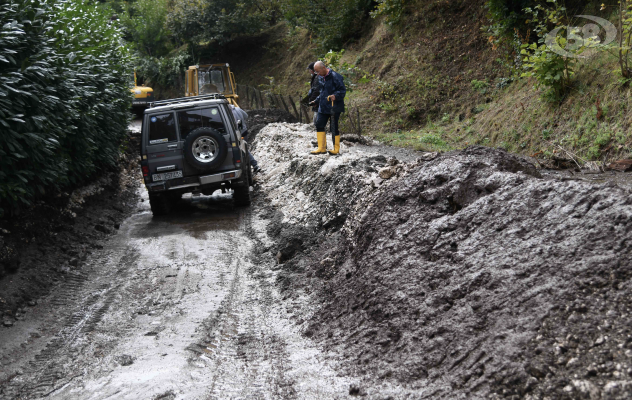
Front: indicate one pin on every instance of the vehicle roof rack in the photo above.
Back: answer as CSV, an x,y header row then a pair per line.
x,y
212,96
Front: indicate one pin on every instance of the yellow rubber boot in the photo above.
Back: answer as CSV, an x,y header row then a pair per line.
x,y
322,143
336,146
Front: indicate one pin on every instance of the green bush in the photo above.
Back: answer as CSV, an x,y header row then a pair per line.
x,y
392,11
166,72
64,97
333,22
198,21
552,70
144,22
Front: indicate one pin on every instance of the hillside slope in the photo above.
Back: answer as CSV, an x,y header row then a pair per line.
x,y
437,84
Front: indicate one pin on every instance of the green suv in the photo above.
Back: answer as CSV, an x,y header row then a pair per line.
x,y
193,145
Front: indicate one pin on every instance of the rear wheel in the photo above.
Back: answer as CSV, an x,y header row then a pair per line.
x,y
249,169
241,196
160,204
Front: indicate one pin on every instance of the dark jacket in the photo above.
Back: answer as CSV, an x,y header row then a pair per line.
x,y
334,84
314,91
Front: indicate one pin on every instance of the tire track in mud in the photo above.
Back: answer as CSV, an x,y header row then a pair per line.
x,y
83,307
248,357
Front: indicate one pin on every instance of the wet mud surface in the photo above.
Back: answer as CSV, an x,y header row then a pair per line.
x,y
171,307
470,275
380,273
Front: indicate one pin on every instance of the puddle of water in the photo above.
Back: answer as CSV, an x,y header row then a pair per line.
x,y
199,217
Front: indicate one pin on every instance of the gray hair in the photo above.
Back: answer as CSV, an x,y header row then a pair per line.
x,y
319,64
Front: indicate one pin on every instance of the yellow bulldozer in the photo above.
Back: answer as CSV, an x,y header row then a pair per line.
x,y
143,95
211,78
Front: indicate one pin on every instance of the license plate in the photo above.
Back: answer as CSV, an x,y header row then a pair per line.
x,y
166,176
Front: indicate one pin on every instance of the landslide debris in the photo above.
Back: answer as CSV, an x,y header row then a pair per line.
x,y
464,276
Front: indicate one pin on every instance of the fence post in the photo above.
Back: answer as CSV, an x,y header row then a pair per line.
x,y
254,94
358,119
294,107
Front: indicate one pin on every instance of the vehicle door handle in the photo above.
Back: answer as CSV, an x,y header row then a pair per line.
x,y
172,146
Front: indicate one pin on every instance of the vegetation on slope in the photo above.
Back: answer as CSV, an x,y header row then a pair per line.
x,y
431,75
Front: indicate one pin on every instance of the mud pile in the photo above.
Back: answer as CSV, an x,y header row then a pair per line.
x,y
463,276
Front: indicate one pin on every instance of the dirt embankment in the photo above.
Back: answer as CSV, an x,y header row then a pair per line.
x,y
40,247
464,276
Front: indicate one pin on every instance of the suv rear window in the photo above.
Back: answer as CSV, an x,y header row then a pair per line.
x,y
193,119
162,128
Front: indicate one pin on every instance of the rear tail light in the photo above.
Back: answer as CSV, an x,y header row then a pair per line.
x,y
145,170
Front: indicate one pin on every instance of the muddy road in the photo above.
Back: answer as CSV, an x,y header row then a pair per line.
x,y
380,273
170,308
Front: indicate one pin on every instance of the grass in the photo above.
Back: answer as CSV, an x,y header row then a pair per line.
x,y
593,122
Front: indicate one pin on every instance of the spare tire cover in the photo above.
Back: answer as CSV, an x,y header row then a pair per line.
x,y
205,149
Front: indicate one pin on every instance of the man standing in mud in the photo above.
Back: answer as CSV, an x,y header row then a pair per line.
x,y
331,104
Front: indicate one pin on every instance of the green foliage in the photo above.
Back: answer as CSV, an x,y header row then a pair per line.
x,y
550,69
198,21
333,21
144,23
625,40
272,87
165,71
480,85
507,18
432,138
64,97
351,74
392,11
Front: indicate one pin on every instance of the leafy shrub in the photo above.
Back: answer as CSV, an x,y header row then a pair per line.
x,y
625,39
333,22
64,97
166,72
144,22
198,21
479,85
392,11
351,74
550,69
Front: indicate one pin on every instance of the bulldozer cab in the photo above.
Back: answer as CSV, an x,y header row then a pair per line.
x,y
211,78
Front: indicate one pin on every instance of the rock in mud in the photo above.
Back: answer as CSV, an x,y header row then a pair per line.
x,y
102,228
125,360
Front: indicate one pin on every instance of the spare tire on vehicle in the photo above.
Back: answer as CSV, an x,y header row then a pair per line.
x,y
205,149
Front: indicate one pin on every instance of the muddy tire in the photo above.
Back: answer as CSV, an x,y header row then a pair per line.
x,y
160,204
205,149
241,196
249,169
